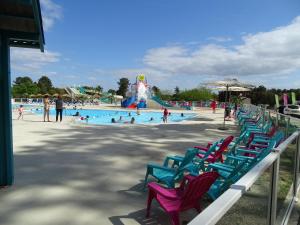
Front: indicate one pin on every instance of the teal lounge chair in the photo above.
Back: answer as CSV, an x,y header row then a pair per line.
x,y
169,175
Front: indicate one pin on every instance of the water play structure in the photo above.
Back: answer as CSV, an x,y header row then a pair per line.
x,y
138,94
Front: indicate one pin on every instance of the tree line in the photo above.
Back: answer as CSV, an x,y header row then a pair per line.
x,y
195,94
23,87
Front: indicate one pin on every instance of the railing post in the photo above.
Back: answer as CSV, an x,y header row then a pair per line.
x,y
273,193
296,169
277,122
287,127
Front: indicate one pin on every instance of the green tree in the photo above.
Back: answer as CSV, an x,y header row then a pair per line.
x,y
45,85
111,91
156,91
176,95
24,87
99,88
23,80
196,94
123,86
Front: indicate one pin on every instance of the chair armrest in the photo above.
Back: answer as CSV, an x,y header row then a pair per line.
x,y
162,191
201,148
176,158
220,167
201,152
156,166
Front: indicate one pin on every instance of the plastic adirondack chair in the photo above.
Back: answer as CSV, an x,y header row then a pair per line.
x,y
169,175
187,196
230,171
242,116
263,128
278,137
257,152
197,163
251,134
235,167
209,144
253,125
217,155
212,155
249,118
236,142
264,133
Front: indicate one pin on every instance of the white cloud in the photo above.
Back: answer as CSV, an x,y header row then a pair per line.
x,y
264,53
32,60
51,12
220,39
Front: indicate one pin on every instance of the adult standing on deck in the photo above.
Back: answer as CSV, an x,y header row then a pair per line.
x,y
213,105
59,107
165,116
46,108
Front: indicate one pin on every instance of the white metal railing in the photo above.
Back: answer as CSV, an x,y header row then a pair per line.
x,y
215,211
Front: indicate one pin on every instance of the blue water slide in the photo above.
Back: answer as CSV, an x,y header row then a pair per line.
x,y
128,101
142,104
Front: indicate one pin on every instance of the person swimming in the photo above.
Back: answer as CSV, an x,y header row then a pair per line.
x,y
120,119
129,114
182,115
113,120
151,119
76,114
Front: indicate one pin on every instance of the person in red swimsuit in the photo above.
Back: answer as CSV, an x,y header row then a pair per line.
x,y
165,117
213,105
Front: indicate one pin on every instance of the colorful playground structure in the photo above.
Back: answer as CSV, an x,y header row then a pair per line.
x,y
141,96
138,94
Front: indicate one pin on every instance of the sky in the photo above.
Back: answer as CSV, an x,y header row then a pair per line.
x,y
181,43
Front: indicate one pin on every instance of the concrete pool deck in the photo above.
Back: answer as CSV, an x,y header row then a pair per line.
x,y
66,174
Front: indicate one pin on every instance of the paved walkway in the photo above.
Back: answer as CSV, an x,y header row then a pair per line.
x,y
92,175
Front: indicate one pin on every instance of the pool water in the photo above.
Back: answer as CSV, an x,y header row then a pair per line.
x,y
97,116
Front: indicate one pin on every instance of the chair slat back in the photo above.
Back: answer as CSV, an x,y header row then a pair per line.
x,y
196,188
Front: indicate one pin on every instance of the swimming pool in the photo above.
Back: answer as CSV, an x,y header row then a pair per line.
x,y
97,116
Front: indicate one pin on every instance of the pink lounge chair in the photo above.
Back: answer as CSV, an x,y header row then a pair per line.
x,y
185,197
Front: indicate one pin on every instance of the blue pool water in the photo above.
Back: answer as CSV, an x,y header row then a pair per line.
x,y
97,116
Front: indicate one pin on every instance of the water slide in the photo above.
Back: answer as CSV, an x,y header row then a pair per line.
x,y
129,102
106,99
72,91
142,104
161,102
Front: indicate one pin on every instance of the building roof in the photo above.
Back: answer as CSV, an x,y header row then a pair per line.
x,y
21,21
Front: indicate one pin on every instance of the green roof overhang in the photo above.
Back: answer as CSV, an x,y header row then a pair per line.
x,y
21,21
